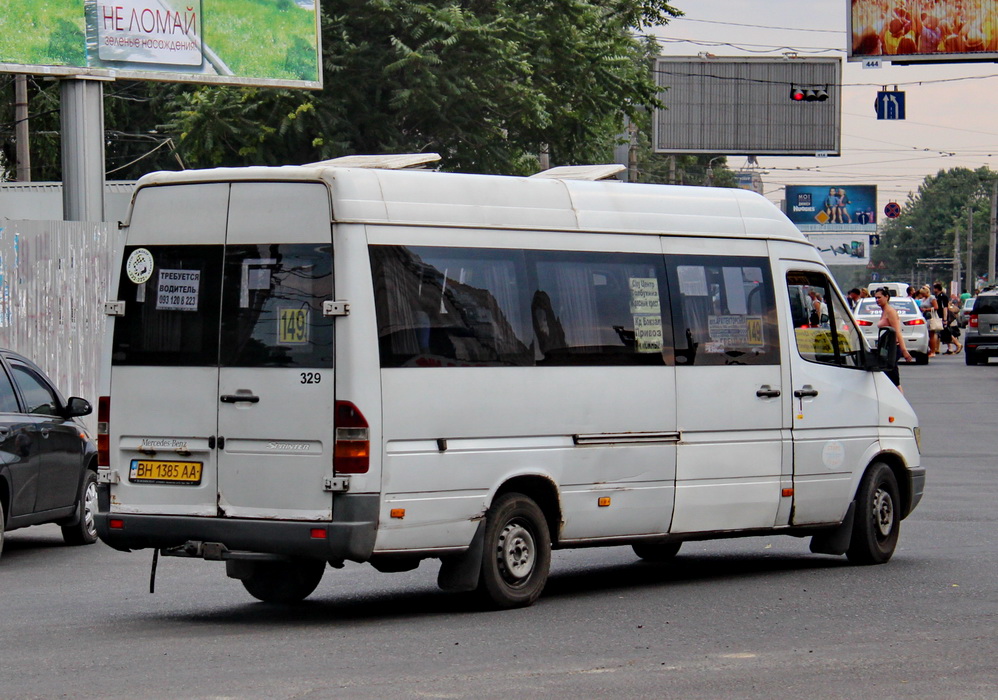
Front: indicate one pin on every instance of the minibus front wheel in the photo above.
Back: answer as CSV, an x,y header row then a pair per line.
x,y
878,517
517,554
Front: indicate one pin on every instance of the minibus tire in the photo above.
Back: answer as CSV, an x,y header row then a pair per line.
x,y
517,553
284,582
878,517
84,531
657,551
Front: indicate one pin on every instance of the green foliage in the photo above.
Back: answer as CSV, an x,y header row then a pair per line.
x,y
930,219
485,83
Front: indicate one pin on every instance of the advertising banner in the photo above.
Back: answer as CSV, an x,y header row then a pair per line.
x,y
237,42
907,31
822,208
842,248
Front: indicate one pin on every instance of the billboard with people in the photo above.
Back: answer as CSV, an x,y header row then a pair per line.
x,y
238,42
907,31
824,208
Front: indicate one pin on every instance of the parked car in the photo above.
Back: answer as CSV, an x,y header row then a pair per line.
x,y
48,463
894,289
981,339
913,326
964,314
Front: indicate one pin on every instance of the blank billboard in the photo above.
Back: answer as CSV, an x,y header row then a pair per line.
x,y
747,106
237,42
924,31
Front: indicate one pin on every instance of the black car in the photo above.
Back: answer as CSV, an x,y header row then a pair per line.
x,y
48,463
981,339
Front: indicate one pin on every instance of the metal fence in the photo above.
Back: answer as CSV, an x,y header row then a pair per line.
x,y
54,280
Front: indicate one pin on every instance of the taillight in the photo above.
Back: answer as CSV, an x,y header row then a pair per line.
x,y
915,322
103,431
972,321
863,322
352,449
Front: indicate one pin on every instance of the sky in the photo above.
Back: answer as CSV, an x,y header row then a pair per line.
x,y
951,110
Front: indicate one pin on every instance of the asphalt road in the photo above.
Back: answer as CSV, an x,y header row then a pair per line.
x,y
751,618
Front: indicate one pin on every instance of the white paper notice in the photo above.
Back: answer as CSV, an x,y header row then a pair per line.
x,y
177,290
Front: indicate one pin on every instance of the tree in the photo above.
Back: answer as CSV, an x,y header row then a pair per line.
x,y
486,83
930,219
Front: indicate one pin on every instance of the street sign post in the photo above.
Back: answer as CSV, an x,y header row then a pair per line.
x,y
889,104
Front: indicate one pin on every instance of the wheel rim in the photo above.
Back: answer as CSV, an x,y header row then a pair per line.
x,y
90,509
516,553
883,512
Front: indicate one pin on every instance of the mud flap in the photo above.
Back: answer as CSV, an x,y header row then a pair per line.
x,y
836,540
460,572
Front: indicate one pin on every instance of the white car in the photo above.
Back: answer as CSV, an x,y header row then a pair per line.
x,y
913,325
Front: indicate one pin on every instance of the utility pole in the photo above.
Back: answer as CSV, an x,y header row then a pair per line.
x,y
994,232
970,249
21,131
956,261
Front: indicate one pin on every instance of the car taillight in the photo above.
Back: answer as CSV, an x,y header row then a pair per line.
x,y
103,431
863,322
915,322
352,449
972,321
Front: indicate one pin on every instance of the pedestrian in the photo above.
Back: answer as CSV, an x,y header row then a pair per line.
x,y
819,310
889,319
930,311
951,332
854,295
942,310
864,293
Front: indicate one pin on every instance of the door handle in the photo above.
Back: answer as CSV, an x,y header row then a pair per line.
x,y
45,432
806,391
235,398
4,432
767,392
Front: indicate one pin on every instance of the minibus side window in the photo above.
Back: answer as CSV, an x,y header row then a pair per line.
x,y
454,307
724,310
172,310
600,309
272,306
823,329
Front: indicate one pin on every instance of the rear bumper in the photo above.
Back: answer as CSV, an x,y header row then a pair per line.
x,y
981,344
350,536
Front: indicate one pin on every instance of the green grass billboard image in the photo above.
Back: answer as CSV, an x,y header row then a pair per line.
x,y
241,42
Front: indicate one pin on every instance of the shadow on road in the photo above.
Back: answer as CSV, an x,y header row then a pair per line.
x,y
397,605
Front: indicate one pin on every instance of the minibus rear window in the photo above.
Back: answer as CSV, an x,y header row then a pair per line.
x,y
171,296
272,306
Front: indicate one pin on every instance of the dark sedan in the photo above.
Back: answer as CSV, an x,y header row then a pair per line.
x,y
48,462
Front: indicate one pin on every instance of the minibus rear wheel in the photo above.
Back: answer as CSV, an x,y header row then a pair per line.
x,y
284,582
878,517
657,551
517,555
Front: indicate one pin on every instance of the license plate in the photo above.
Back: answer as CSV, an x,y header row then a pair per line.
x,y
148,471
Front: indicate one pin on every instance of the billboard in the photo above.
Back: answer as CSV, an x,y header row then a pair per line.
x,y
746,106
237,42
838,208
842,248
941,31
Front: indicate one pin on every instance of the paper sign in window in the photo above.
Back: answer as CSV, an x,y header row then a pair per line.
x,y
292,326
177,290
644,296
648,332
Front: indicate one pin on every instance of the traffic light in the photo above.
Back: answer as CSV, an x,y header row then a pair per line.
x,y
808,93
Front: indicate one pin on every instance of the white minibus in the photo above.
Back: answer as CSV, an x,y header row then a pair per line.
x,y
356,360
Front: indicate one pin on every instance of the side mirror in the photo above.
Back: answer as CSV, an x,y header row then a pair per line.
x,y
78,407
886,354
